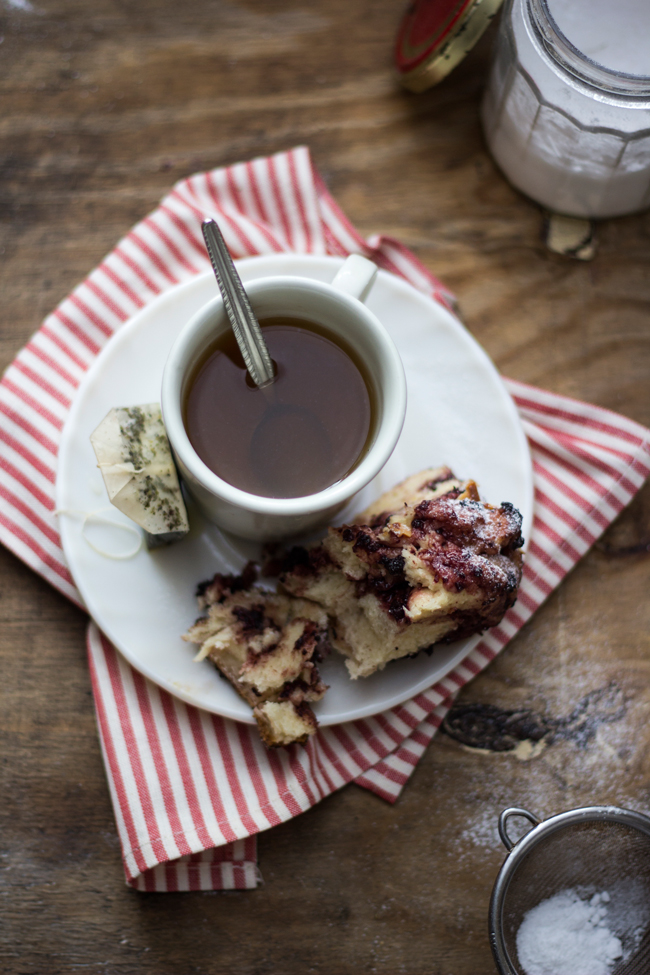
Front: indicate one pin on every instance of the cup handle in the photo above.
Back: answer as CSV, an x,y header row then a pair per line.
x,y
356,277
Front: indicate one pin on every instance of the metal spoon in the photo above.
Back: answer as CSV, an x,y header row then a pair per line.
x,y
240,314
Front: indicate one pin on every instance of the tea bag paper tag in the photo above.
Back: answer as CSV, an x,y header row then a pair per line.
x,y
570,236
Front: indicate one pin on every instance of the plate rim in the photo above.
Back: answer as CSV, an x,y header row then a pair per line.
x,y
66,446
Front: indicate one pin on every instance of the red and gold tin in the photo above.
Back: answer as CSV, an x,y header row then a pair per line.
x,y
435,35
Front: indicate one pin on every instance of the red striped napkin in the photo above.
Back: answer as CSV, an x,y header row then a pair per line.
x,y
190,789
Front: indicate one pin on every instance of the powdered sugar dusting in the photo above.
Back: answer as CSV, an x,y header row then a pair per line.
x,y
566,935
482,833
582,932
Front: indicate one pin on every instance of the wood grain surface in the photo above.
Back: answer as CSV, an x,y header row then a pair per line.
x,y
104,106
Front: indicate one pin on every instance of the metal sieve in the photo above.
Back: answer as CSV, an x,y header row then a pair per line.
x,y
592,849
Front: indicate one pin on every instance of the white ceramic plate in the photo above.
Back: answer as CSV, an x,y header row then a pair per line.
x,y
459,413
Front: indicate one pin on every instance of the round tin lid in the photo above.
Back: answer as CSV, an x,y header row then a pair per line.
x,y
435,35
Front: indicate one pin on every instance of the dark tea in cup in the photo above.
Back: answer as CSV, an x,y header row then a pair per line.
x,y
295,437
343,425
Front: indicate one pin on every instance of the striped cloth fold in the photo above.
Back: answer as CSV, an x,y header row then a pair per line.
x,y
190,789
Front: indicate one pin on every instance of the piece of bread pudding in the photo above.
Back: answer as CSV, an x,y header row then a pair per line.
x,y
267,645
427,563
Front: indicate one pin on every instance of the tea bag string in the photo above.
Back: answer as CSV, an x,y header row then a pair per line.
x,y
238,309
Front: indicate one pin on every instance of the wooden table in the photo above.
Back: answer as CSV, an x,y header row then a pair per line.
x,y
105,105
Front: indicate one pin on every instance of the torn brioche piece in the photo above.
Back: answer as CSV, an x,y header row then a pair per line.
x,y
135,460
427,563
268,646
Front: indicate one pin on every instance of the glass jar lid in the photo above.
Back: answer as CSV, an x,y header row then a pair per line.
x,y
435,36
564,53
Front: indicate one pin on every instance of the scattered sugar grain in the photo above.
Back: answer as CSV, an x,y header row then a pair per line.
x,y
566,935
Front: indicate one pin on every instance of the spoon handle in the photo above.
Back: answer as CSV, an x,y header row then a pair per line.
x,y
240,314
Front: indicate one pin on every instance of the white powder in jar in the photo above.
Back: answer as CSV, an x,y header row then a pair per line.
x,y
574,149
566,935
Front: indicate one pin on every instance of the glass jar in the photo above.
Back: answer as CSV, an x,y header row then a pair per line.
x,y
567,131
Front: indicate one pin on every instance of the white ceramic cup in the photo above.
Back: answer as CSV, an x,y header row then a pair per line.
x,y
339,308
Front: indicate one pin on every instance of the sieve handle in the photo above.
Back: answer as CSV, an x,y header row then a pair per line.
x,y
503,823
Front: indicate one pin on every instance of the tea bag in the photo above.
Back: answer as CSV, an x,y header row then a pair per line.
x,y
135,459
